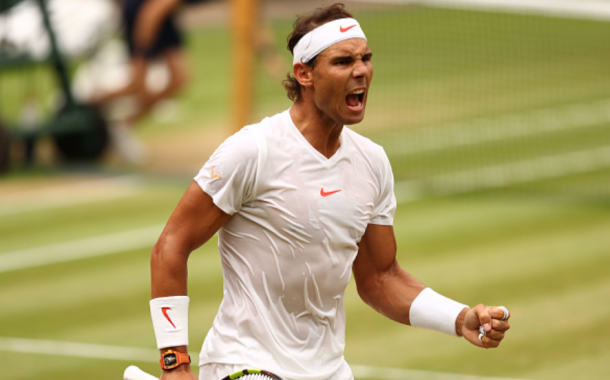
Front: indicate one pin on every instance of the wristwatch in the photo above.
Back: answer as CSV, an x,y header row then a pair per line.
x,y
172,359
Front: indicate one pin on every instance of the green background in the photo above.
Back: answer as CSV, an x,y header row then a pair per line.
x,y
540,247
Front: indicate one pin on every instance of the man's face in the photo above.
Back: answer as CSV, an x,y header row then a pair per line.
x,y
341,79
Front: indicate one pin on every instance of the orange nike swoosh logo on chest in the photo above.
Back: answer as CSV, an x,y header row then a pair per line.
x,y
326,194
343,30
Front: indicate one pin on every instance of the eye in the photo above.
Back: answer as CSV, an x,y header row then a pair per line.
x,y
343,61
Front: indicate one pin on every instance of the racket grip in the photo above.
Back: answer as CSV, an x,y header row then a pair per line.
x,y
134,373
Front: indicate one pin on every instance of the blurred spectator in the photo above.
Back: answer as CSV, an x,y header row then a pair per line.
x,y
151,34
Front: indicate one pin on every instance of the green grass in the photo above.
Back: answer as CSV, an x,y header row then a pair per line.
x,y
546,258
540,248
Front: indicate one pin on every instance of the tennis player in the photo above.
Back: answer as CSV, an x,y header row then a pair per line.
x,y
300,201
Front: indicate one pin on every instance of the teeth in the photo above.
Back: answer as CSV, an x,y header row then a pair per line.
x,y
357,92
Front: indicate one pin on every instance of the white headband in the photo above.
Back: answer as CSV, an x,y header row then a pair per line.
x,y
324,36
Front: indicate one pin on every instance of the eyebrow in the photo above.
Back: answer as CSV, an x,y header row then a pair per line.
x,y
348,56
342,57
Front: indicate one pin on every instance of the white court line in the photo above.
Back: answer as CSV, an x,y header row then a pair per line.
x,y
406,191
133,354
505,174
73,200
385,373
503,127
71,194
83,350
497,128
581,9
80,249
524,171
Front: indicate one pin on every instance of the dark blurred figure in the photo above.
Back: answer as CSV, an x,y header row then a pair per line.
x,y
151,34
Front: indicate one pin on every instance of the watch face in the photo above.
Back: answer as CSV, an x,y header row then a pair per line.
x,y
169,359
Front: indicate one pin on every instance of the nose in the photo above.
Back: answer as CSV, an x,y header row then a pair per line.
x,y
360,68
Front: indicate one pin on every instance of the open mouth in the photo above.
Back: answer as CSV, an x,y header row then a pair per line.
x,y
354,99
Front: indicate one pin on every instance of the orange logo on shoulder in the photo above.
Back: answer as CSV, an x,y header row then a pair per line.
x,y
214,175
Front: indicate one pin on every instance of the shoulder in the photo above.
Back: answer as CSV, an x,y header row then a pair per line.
x,y
268,126
251,142
243,143
365,146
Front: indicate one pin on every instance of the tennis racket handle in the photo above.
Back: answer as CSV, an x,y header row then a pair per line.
x,y
134,373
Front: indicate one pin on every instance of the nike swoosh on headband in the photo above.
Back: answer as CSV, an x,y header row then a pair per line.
x,y
343,30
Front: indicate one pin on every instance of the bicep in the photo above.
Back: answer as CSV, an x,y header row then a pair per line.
x,y
376,250
376,257
195,219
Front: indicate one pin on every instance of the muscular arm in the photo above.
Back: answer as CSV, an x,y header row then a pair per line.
x,y
381,282
390,290
194,221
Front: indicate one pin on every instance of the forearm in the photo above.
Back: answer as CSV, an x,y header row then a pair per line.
x,y
391,293
168,269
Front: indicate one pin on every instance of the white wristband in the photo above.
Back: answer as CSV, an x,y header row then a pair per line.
x,y
432,311
170,320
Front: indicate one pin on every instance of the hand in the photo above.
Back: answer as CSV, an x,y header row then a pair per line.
x,y
490,317
180,373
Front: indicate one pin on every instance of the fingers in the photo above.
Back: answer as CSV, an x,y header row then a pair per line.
x,y
492,334
487,342
499,312
493,325
491,317
499,325
482,313
500,316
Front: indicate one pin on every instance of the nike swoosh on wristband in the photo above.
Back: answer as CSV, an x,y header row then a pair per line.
x,y
343,30
164,310
326,194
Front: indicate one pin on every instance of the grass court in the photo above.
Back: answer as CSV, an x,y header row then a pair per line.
x,y
75,242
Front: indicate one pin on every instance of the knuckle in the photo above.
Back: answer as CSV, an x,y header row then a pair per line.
x,y
499,325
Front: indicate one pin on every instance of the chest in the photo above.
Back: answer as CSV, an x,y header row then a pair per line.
x,y
325,201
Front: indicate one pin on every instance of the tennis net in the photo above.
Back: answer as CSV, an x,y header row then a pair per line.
x,y
478,94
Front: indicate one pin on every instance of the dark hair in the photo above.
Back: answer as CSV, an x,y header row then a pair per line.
x,y
302,26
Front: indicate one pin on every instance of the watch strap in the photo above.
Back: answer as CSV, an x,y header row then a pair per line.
x,y
172,359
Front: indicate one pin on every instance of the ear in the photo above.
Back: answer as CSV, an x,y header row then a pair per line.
x,y
303,74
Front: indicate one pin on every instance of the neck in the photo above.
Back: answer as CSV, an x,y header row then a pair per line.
x,y
319,130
